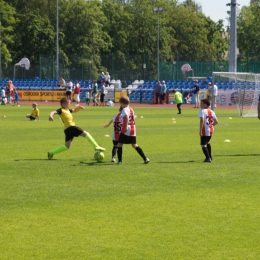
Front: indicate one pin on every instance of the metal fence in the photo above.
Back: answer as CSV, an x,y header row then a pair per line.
x,y
127,68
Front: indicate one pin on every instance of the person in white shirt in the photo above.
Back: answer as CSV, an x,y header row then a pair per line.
x,y
110,103
215,93
3,96
69,87
87,95
107,79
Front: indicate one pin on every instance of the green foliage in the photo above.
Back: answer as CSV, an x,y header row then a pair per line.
x,y
195,7
36,36
248,28
175,207
90,29
8,22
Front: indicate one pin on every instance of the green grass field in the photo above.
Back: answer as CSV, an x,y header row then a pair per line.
x,y
175,207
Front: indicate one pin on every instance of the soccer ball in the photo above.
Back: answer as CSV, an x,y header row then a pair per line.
x,y
99,156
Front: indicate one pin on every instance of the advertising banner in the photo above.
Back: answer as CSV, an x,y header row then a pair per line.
x,y
41,95
119,94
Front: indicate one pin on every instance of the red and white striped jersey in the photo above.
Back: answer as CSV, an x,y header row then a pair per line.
x,y
117,127
208,117
128,117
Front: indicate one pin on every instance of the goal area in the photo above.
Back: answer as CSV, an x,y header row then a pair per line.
x,y
240,89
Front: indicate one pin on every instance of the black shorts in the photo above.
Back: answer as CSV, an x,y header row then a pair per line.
x,y
68,93
204,140
32,118
126,139
102,97
71,132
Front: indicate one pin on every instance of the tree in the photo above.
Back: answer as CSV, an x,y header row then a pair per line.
x,y
254,1
192,5
34,36
217,37
248,30
8,22
47,7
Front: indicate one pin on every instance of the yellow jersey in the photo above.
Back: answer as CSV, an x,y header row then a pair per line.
x,y
35,113
66,117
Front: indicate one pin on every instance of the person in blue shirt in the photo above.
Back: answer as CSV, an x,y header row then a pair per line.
x,y
163,92
196,90
101,77
16,98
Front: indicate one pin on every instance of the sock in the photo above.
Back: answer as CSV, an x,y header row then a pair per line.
x,y
119,153
114,150
91,140
140,151
59,149
206,152
179,108
209,149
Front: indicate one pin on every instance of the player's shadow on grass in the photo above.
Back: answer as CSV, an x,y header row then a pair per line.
x,y
95,163
19,160
253,154
179,162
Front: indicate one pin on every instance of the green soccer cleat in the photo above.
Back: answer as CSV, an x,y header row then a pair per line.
x,y
50,155
99,148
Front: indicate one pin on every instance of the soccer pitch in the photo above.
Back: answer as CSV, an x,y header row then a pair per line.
x,y
175,207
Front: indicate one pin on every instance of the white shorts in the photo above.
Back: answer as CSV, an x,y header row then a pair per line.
x,y
77,97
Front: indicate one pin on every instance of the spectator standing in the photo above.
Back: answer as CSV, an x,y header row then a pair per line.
x,y
95,93
77,92
196,90
3,96
157,92
163,92
107,79
9,91
16,98
102,77
102,93
178,99
215,93
69,87
87,96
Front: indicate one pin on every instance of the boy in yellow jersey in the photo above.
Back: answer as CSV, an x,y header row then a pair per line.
x,y
70,129
35,115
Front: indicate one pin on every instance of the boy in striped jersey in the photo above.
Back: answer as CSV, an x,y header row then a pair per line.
x,y
208,120
70,128
117,130
128,131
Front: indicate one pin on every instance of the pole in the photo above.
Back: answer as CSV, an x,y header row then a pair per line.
x,y
233,37
0,40
158,10
158,48
57,39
